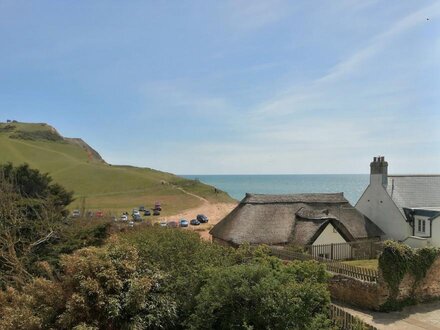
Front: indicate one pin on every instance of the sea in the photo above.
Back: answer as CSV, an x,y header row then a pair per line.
x,y
352,185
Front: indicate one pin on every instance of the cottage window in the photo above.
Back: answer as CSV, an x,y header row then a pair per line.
x,y
421,226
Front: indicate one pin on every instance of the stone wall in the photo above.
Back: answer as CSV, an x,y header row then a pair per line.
x,y
358,293
372,295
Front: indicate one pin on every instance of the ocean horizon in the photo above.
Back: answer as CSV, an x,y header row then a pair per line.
x,y
237,185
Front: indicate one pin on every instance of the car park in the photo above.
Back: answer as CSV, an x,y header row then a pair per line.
x,y
137,217
147,213
194,222
156,212
172,224
124,217
202,218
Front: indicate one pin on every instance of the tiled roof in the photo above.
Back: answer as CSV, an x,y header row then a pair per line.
x,y
414,191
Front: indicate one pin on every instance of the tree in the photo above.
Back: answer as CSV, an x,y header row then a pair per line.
x,y
264,294
101,288
31,212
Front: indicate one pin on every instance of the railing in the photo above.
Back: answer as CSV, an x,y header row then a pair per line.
x,y
346,321
364,274
368,249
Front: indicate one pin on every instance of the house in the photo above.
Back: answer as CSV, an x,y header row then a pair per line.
x,y
405,207
300,219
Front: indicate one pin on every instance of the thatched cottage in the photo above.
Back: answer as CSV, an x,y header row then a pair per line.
x,y
301,219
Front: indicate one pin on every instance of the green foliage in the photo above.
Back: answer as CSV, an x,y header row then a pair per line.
x,y
31,211
396,261
101,288
37,135
198,268
74,234
257,295
35,187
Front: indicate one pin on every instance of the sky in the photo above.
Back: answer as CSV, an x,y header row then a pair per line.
x,y
233,86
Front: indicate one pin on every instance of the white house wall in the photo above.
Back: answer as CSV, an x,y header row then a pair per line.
x,y
378,206
322,246
435,232
328,236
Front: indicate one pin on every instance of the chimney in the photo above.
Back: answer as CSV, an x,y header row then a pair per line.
x,y
379,171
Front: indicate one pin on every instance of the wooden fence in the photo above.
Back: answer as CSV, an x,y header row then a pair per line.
x,y
346,321
364,274
368,249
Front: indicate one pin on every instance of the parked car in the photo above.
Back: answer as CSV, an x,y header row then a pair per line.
x,y
137,217
124,217
194,222
147,213
183,223
76,214
99,214
141,208
202,218
172,224
131,224
135,212
163,223
156,212
157,206
114,218
89,214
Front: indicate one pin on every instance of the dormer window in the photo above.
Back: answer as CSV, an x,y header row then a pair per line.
x,y
421,226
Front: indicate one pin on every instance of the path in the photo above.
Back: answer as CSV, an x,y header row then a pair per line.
x,y
418,317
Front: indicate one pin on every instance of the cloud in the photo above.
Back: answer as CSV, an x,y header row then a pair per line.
x,y
298,98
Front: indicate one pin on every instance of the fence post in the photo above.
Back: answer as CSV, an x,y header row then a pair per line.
x,y
331,251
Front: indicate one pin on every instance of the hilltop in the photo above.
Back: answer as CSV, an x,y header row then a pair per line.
x,y
77,166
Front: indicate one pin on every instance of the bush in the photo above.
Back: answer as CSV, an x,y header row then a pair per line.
x,y
260,296
101,288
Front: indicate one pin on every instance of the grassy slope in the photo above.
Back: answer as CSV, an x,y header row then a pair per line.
x,y
113,188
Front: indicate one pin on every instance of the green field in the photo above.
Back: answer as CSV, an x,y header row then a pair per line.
x,y
100,185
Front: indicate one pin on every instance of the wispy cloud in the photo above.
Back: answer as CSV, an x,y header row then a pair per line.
x,y
298,98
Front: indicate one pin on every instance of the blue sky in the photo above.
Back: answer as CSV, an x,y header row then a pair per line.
x,y
218,87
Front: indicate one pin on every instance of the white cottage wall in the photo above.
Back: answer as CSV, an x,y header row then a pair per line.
x,y
377,205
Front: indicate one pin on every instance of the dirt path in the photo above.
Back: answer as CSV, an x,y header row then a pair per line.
x,y
214,211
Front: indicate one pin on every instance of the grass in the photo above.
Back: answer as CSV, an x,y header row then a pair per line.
x,y
102,186
368,263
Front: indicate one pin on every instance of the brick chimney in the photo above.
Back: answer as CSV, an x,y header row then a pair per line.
x,y
379,171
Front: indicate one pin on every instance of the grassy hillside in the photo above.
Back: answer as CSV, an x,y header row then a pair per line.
x,y
76,166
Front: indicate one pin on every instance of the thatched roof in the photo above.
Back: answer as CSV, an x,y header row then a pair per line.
x,y
280,219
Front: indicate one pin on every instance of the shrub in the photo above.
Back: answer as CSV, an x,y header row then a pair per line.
x,y
258,295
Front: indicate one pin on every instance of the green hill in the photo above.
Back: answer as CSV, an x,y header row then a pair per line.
x,y
75,165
